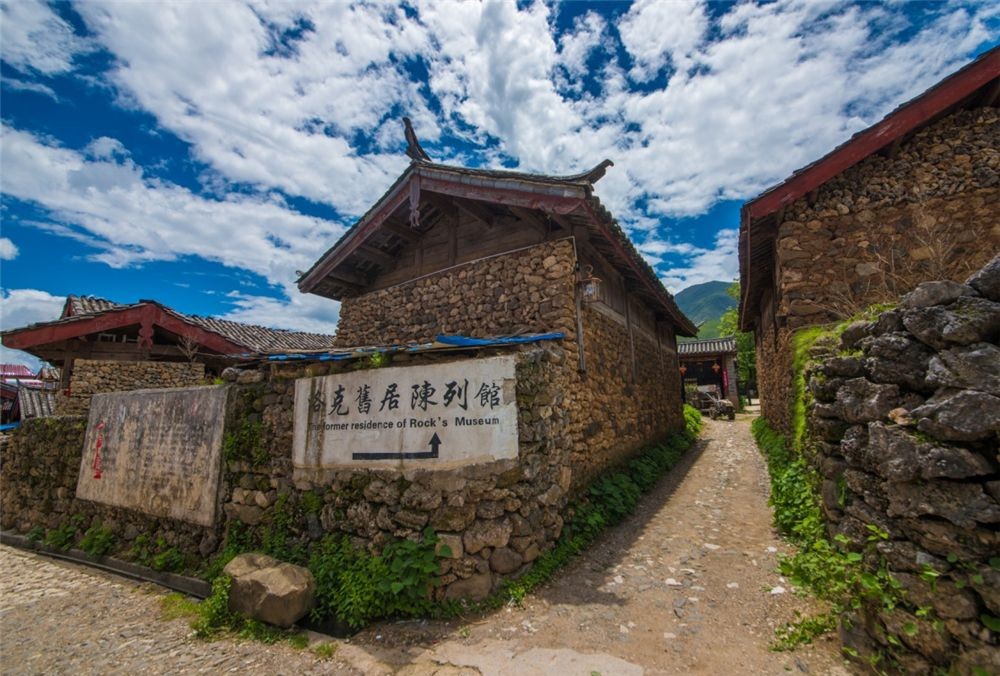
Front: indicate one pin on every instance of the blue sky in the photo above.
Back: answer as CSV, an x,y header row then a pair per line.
x,y
201,153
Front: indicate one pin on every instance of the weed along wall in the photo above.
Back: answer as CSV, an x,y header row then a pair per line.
x,y
890,479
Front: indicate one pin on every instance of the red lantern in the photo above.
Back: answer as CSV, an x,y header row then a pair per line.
x,y
716,368
683,369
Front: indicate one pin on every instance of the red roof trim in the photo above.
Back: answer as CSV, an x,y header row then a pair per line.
x,y
897,124
41,334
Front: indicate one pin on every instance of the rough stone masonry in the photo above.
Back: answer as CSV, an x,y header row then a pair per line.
x,y
905,421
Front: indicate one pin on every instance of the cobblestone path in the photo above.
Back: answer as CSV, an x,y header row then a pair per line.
x,y
687,585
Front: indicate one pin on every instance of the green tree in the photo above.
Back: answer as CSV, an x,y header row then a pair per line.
x,y
729,325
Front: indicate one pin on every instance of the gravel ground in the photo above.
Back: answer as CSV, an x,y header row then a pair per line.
x,y
687,585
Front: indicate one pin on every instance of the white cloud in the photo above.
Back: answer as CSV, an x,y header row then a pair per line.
x,y
658,33
109,204
8,250
34,38
301,312
21,307
210,74
706,265
752,95
136,219
24,85
575,47
755,93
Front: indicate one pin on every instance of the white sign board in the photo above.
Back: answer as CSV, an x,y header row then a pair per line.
x,y
411,416
156,451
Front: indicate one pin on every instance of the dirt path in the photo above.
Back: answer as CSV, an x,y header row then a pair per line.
x,y
686,585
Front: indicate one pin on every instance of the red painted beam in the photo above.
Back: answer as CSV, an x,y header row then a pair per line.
x,y
30,336
206,339
894,126
33,336
505,196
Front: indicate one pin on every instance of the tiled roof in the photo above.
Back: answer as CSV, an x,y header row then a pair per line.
x,y
254,338
708,346
36,403
88,305
261,338
15,371
576,185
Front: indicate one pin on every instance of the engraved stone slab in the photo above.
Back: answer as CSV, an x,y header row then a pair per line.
x,y
436,415
156,451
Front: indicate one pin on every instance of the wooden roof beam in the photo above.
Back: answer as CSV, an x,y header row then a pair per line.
x,y
470,207
404,231
531,218
376,256
561,221
352,278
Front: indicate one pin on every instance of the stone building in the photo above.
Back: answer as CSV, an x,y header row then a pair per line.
x,y
915,197
501,344
103,346
452,250
710,362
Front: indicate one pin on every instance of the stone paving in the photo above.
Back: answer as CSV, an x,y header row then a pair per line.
x,y
60,618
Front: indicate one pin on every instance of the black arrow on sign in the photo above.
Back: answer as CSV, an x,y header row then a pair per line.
x,y
435,444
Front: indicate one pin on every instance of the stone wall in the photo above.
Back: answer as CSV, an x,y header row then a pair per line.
x,y
91,376
905,424
774,375
878,229
496,517
612,413
40,467
526,291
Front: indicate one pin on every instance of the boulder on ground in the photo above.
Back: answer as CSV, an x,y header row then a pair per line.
x,y
269,590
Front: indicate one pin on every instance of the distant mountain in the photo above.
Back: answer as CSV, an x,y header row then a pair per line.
x,y
705,303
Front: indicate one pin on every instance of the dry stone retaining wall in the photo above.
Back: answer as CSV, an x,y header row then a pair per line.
x,y
91,376
905,421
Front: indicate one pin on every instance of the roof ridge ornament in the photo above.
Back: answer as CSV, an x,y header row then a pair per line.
x,y
597,173
413,149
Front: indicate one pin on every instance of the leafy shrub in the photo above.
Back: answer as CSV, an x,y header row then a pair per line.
x,y
167,559
213,612
356,587
62,537
157,555
98,540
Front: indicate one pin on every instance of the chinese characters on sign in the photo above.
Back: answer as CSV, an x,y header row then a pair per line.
x,y
459,412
